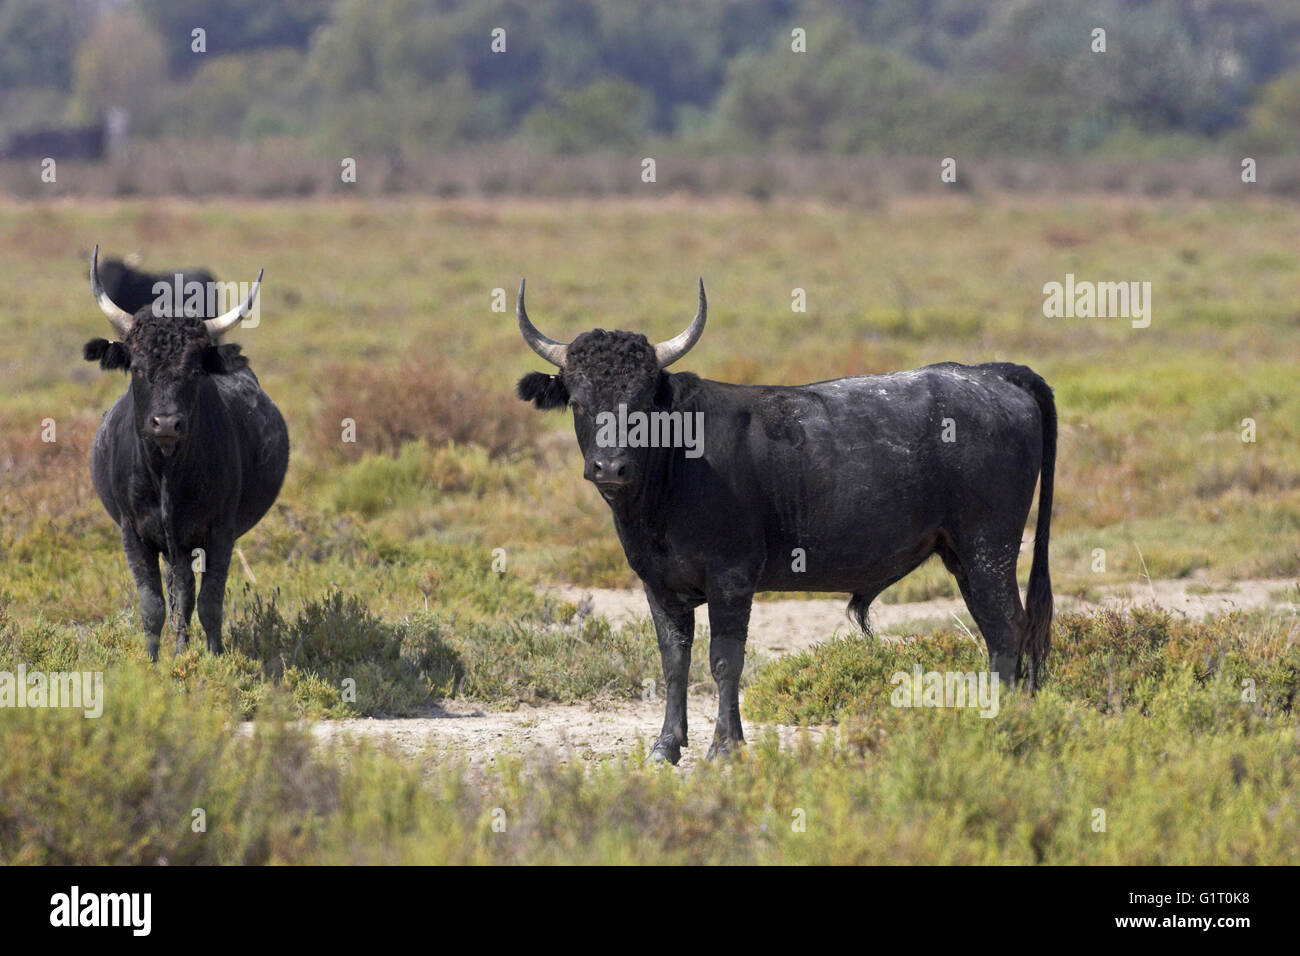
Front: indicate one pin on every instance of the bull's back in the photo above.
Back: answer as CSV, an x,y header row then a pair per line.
x,y
863,474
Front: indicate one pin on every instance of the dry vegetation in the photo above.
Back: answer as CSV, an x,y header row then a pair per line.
x,y
271,169
429,399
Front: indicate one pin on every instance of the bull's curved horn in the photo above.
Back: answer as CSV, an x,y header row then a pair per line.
x,y
669,352
224,323
120,318
549,349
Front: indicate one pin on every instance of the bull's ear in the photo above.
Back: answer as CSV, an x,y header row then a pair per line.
x,y
223,359
544,391
109,355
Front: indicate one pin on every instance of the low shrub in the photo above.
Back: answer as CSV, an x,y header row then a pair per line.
x,y
338,658
1108,661
427,399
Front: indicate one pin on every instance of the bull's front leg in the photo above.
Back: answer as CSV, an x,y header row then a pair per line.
x,y
675,628
212,593
143,562
180,598
729,627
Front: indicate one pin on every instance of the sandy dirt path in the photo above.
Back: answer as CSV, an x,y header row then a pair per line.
x,y
573,732
609,729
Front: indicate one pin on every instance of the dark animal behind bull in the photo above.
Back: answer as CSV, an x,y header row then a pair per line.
x,y
854,474
190,457
132,289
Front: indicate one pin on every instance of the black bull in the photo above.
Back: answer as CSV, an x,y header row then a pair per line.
x,y
845,485
189,458
133,289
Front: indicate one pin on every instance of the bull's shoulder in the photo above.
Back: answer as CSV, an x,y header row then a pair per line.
x,y
252,412
240,388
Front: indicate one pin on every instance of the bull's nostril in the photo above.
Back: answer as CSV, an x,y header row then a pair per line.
x,y
164,425
609,471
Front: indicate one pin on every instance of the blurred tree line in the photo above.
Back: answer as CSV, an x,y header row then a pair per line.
x,y
990,77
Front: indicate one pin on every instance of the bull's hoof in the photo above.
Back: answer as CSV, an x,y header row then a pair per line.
x,y
666,750
724,749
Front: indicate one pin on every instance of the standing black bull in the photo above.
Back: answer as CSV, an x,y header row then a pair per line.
x,y
845,485
190,457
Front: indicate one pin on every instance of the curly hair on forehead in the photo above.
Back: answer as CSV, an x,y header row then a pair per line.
x,y
606,358
165,339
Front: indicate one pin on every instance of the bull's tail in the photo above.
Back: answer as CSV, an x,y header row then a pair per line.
x,y
859,608
1039,600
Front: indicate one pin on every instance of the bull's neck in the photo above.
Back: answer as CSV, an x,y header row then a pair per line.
x,y
165,473
644,506
159,466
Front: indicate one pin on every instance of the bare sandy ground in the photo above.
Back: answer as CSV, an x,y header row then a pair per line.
x,y
609,729
789,626
573,732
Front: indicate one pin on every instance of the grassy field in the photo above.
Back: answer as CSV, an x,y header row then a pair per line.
x,y
377,562
1144,748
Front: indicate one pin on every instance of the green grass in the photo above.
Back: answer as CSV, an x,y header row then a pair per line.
x,y
1170,766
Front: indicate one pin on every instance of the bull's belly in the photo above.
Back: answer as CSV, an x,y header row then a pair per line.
x,y
863,565
254,506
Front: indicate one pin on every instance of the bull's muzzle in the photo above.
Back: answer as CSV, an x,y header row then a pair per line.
x,y
609,473
166,430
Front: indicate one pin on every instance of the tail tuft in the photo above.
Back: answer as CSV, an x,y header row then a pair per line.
x,y
859,605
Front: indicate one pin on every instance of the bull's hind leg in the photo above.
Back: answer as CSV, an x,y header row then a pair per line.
x,y
987,578
675,628
143,562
